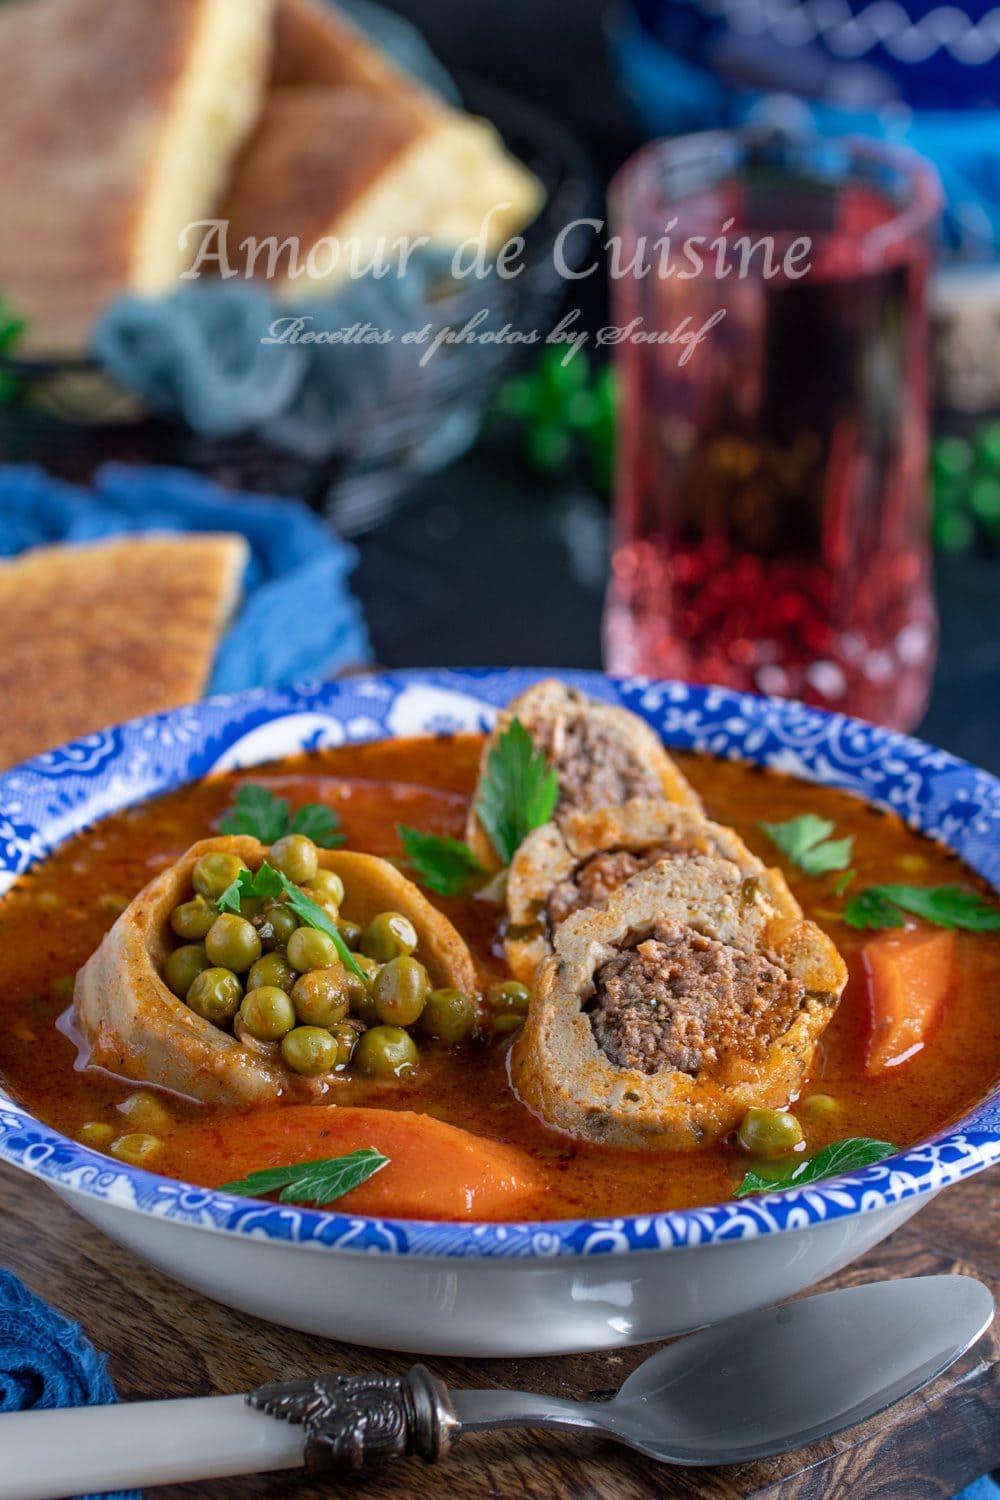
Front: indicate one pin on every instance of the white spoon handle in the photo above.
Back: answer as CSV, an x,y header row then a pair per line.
x,y
47,1455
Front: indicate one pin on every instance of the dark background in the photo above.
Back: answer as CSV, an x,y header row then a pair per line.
x,y
493,564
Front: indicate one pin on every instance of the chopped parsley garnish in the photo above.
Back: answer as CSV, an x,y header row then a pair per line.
x,y
311,1181
840,1156
444,865
260,814
271,882
943,905
519,791
806,841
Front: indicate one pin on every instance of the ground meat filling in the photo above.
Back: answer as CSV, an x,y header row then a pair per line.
x,y
676,1000
593,881
595,768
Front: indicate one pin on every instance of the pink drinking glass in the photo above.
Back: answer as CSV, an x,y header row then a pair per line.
x,y
771,526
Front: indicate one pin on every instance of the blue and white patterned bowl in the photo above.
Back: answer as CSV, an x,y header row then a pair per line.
x,y
575,1283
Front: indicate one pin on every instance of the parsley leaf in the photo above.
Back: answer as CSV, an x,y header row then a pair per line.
x,y
807,843
266,882
319,823
944,905
260,814
271,882
840,1156
257,813
519,791
311,1181
441,864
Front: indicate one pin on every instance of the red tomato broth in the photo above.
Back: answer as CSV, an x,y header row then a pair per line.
x,y
55,916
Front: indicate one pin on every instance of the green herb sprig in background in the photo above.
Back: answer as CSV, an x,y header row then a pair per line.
x,y
12,330
311,1181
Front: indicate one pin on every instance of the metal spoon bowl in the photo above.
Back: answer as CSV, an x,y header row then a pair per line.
x,y
770,1381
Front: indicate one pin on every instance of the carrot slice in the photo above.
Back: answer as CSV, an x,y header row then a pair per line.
x,y
435,1171
908,975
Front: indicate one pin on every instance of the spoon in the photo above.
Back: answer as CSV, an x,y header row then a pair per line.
x,y
759,1384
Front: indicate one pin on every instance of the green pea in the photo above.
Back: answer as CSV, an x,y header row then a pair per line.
x,y
449,1015
345,1034
146,1111
320,997
233,943
509,997
769,1132
310,949
385,1052
359,991
389,935
273,969
267,1013
399,991
351,932
326,886
135,1147
193,919
183,966
296,857
95,1133
504,1025
215,995
275,922
215,873
310,1050
819,1107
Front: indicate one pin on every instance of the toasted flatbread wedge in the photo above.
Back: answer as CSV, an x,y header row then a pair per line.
x,y
603,755
351,156
661,1017
560,869
133,1026
316,43
119,126
103,632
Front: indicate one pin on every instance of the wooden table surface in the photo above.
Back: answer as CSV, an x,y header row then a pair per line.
x,y
163,1340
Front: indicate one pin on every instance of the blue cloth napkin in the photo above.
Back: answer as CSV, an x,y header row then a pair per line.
x,y
983,1489
298,617
47,1361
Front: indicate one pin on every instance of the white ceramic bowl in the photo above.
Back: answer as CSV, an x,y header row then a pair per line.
x,y
492,1289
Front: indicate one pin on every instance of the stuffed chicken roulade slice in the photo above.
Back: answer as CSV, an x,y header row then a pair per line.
x,y
602,755
694,993
562,868
158,1003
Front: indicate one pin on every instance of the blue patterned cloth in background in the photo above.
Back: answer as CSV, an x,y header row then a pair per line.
x,y
46,1361
298,617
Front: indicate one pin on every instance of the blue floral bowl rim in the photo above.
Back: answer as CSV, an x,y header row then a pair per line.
x,y
45,800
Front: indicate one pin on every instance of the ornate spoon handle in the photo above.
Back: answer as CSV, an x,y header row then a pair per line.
x,y
352,1421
